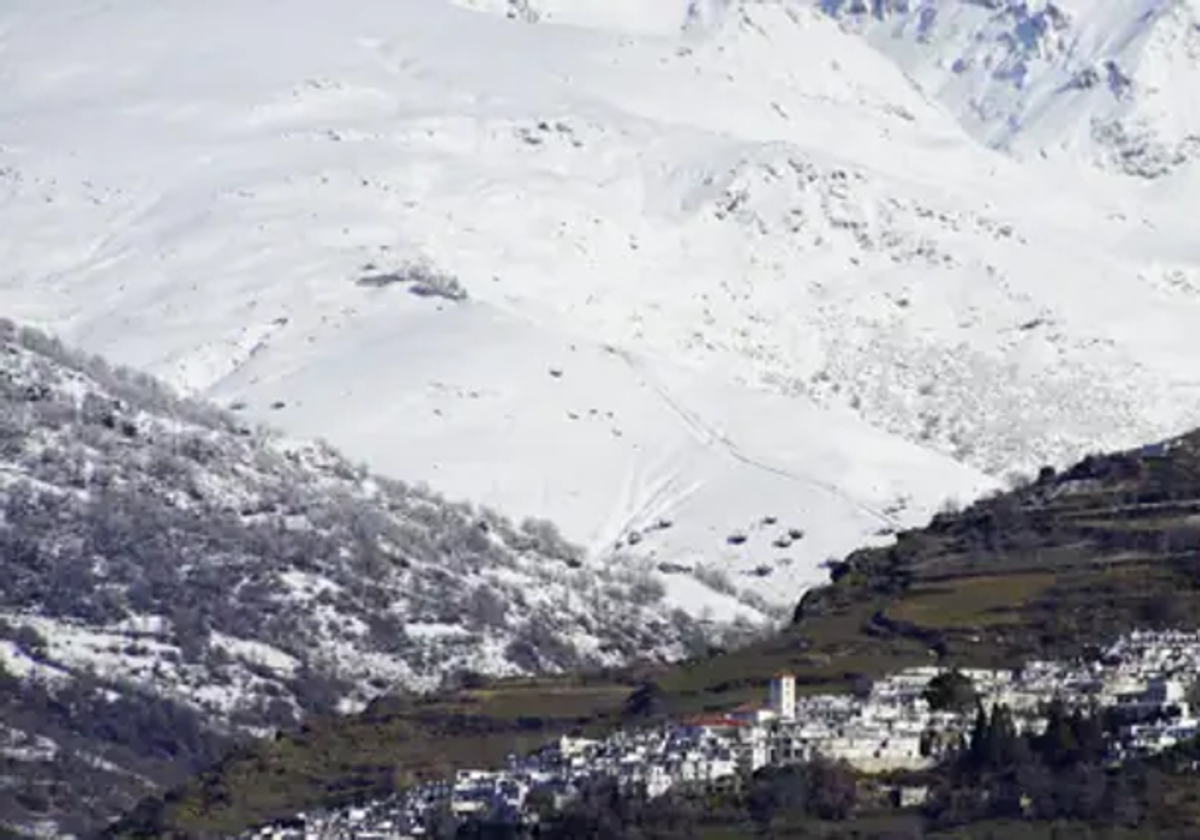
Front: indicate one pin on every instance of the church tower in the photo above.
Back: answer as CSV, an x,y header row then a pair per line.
x,y
783,696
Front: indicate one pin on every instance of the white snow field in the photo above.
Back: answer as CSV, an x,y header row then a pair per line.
x,y
741,268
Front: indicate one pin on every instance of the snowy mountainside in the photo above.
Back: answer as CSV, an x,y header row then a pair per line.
x,y
168,566
242,253
608,264
1113,82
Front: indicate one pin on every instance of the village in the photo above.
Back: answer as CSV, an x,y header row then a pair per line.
x,y
1147,676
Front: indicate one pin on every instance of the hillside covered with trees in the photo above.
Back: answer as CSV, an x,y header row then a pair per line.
x,y
177,581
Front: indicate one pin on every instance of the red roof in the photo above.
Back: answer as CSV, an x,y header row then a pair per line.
x,y
714,721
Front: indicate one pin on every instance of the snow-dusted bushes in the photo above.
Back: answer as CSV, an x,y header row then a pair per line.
x,y
543,537
243,579
122,385
714,578
421,278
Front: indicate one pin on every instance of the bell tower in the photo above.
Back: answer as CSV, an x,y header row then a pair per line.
x,y
783,696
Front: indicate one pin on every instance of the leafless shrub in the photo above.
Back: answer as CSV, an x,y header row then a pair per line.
x,y
715,579
421,278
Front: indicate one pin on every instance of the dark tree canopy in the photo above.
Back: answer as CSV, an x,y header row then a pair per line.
x,y
951,691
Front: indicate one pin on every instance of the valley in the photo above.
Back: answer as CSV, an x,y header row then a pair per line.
x,y
464,364
1051,571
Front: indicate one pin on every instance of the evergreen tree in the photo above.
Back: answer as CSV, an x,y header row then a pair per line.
x,y
977,744
1058,746
951,691
995,735
1088,735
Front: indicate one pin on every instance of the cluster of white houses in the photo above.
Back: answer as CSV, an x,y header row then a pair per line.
x,y
1146,674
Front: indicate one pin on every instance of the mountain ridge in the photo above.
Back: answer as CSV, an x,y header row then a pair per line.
x,y
1102,81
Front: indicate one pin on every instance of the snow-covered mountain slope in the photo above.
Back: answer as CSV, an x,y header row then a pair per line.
x,y
173,578
708,262
1116,83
